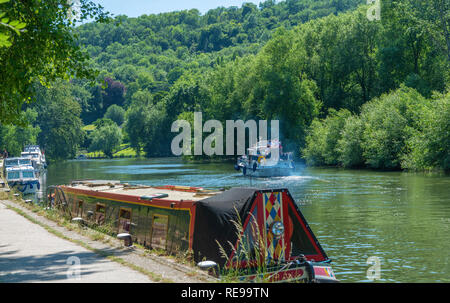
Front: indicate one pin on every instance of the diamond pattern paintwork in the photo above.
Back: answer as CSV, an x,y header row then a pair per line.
x,y
273,213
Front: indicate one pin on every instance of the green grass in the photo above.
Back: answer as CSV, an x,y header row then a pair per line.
x,y
89,127
125,151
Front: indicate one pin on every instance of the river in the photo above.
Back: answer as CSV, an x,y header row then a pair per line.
x,y
400,219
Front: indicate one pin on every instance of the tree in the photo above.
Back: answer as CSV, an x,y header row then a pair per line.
x,y
116,114
413,46
114,93
323,137
8,27
59,119
14,138
106,139
389,122
430,143
47,50
280,91
350,145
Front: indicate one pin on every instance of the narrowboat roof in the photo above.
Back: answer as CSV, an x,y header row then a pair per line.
x,y
168,193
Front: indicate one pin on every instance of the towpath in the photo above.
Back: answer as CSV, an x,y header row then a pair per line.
x,y
29,252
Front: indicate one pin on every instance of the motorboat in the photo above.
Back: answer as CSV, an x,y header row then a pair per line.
x,y
266,159
24,178
36,155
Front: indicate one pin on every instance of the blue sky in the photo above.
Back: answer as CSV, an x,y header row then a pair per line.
x,y
135,8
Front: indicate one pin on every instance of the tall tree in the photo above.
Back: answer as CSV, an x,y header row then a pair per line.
x,y
59,119
45,51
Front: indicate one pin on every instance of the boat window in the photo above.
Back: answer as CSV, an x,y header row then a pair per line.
x,y
11,163
24,162
28,174
100,211
78,208
124,220
159,231
13,175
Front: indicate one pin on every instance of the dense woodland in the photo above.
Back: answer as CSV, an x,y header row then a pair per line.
x,y
348,91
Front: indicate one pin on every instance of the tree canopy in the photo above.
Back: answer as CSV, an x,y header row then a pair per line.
x,y
338,82
37,43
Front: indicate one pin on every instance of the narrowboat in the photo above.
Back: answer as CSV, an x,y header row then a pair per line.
x,y
266,159
261,233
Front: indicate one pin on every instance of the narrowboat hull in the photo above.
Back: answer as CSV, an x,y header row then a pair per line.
x,y
179,219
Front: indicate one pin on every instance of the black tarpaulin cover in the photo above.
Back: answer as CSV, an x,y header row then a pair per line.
x,y
214,218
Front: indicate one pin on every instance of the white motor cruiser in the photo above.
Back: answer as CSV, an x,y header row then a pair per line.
x,y
24,178
36,155
266,159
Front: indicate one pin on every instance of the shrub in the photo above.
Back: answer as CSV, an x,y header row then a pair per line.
x,y
322,140
389,122
350,144
430,144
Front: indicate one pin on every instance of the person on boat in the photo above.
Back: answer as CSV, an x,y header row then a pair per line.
x,y
5,154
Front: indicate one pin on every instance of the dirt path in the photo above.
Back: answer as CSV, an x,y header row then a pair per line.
x,y
31,252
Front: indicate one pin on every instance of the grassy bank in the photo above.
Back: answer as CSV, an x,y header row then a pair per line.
x,y
125,151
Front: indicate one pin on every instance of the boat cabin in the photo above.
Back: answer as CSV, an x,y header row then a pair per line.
x,y
245,228
13,162
22,173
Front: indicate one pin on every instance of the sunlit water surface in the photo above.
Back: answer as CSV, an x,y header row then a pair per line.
x,y
401,218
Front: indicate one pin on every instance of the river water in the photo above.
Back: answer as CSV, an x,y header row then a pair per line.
x,y
361,217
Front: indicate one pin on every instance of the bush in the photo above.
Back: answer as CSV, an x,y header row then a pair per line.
x,y
350,144
389,122
322,139
402,129
430,144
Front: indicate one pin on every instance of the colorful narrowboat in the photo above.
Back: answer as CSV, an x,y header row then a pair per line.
x,y
260,232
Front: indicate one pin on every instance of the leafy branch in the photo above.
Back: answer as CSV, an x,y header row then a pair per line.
x,y
14,25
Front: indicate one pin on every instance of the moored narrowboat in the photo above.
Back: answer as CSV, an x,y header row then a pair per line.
x,y
262,233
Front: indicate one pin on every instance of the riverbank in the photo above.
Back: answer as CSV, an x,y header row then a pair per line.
x,y
155,268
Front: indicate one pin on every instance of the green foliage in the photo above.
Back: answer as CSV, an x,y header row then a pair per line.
x,y
350,145
14,138
103,122
430,144
279,91
322,139
147,128
59,119
400,130
106,138
388,123
116,114
8,27
287,61
47,50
